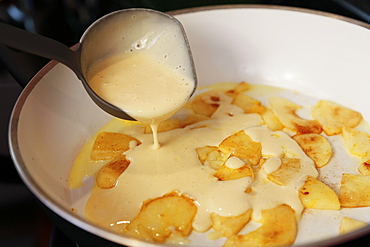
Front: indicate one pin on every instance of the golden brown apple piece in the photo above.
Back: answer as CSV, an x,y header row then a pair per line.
x,y
211,156
315,194
333,117
239,88
271,121
285,111
109,145
107,176
279,228
227,226
242,146
163,217
206,103
284,174
233,168
357,142
316,146
364,168
248,104
354,191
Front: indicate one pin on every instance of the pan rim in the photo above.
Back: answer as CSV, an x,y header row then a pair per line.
x,y
103,233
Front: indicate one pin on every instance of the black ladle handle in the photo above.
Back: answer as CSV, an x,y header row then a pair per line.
x,y
39,45
22,66
48,48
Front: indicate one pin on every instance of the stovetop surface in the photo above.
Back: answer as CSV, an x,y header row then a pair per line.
x,y
23,222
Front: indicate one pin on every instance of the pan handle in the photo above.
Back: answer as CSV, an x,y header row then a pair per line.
x,y
36,44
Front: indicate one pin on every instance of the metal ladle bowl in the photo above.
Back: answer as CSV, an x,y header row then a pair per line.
x,y
113,33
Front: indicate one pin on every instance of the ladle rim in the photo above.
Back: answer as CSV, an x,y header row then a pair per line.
x,y
106,106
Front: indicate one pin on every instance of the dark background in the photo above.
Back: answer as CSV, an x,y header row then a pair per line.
x,y
23,222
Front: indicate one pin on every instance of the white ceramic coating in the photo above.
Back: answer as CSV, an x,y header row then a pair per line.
x,y
324,56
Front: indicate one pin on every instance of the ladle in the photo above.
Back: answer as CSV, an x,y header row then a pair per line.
x,y
108,35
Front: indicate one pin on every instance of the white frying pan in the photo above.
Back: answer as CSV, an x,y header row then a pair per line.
x,y
322,55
